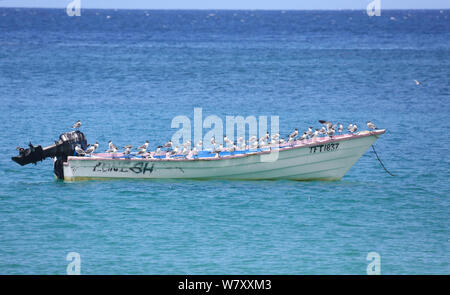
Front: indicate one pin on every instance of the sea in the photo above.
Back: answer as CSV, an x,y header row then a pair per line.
x,y
126,74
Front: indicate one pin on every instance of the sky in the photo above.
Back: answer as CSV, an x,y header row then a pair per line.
x,y
232,4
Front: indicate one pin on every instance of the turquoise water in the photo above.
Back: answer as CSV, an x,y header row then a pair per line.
x,y
128,75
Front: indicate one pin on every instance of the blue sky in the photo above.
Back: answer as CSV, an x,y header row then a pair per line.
x,y
233,4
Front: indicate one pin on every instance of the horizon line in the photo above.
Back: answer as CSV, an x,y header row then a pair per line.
x,y
225,9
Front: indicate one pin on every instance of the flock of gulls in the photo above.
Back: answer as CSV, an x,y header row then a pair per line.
x,y
328,129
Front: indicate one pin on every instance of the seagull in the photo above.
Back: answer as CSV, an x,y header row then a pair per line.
x,y
331,132
231,148
213,141
80,151
294,134
261,144
310,131
371,125
194,151
158,150
127,146
92,148
322,130
341,128
187,144
185,151
200,144
218,149
168,144
142,152
326,123
76,125
144,146
175,151
227,140
111,145
252,139
315,134
275,137
20,149
352,128
417,82
127,150
265,137
112,150
304,136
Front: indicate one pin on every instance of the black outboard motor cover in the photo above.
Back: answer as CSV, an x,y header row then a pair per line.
x,y
60,150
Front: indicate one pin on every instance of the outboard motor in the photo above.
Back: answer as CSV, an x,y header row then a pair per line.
x,y
60,150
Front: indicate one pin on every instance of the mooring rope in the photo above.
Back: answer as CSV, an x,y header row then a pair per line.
x,y
382,165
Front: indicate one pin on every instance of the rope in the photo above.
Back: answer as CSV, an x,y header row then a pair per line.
x,y
382,165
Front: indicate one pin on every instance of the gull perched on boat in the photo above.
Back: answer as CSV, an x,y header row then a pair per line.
x,y
91,148
304,136
352,128
275,137
112,150
227,140
326,123
371,125
127,150
76,125
262,143
265,137
315,134
111,145
144,146
310,131
240,140
294,134
79,150
175,151
185,151
187,144
168,144
158,151
218,150
231,148
213,141
20,149
322,130
341,128
331,132
194,152
200,144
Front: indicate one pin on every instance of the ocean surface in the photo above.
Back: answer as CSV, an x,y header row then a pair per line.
x,y
126,74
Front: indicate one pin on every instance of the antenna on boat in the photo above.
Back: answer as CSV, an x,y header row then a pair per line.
x,y
382,165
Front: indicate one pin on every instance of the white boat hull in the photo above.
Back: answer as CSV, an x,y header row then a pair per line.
x,y
323,159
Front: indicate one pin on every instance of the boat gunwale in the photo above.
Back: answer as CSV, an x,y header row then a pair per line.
x,y
309,143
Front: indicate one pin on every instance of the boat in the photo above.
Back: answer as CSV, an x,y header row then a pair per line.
x,y
323,158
